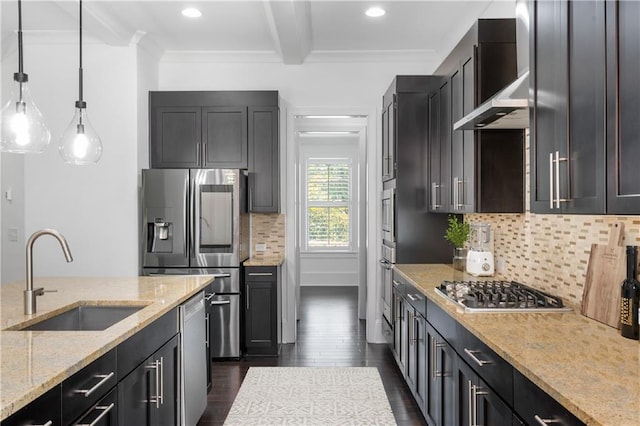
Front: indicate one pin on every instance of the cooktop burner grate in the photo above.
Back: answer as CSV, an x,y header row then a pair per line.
x,y
499,296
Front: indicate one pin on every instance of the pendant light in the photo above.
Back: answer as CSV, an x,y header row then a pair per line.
x,y
80,144
23,128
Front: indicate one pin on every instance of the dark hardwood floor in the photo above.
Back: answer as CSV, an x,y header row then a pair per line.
x,y
329,334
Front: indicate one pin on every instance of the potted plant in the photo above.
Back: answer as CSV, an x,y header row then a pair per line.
x,y
457,234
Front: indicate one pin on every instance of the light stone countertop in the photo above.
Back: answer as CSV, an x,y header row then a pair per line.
x,y
586,366
268,260
32,362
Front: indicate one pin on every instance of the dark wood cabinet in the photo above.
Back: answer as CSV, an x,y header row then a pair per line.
x,y
230,130
568,118
439,407
264,160
149,394
623,108
176,135
39,412
261,310
103,413
476,402
224,138
478,171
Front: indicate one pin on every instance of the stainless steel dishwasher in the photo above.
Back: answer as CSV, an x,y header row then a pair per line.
x,y
193,360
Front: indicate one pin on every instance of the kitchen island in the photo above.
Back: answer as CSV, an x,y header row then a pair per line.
x,y
584,365
32,362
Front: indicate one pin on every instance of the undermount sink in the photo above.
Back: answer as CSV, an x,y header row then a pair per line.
x,y
85,317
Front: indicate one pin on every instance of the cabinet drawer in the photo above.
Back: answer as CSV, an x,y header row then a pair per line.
x,y
87,386
137,348
416,299
261,273
43,410
103,413
534,405
442,322
494,370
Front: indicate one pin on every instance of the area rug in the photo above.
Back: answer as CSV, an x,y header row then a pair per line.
x,y
311,396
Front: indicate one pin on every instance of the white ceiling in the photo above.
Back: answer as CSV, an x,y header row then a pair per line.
x,y
291,30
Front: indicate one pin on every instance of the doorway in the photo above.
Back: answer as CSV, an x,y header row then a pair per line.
x,y
329,215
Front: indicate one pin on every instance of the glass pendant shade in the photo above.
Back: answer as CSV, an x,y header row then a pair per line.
x,y
23,128
80,144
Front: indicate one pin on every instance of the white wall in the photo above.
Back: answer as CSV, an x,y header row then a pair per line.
x,y
94,206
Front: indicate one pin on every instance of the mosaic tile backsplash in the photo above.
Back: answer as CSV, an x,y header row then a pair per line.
x,y
267,229
551,252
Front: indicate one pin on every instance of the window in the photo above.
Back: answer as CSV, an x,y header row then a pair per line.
x,y
328,198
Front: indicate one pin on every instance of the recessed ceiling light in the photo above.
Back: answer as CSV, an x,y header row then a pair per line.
x,y
191,12
375,12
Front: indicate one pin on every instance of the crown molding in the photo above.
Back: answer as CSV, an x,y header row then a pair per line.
x,y
350,56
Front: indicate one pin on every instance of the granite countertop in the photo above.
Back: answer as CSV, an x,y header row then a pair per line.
x,y
266,260
585,365
32,362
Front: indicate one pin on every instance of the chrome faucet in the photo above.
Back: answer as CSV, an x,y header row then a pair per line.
x,y
30,294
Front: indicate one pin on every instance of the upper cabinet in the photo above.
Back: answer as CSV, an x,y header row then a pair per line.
x,y
220,130
483,170
568,115
623,107
584,120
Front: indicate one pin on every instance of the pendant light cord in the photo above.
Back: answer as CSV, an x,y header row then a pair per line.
x,y
20,67
80,103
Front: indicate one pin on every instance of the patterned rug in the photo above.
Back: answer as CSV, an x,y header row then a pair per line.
x,y
311,396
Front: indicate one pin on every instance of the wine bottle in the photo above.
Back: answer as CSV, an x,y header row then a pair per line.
x,y
630,301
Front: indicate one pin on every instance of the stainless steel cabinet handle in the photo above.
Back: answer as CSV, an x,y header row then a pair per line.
x,y
412,331
551,180
248,295
204,154
105,411
161,369
480,362
156,399
471,396
544,422
557,179
434,358
206,330
198,152
223,302
395,283
260,274
49,423
455,193
411,297
208,296
434,194
104,377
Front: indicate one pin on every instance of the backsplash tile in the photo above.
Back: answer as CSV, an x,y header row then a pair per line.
x,y
551,252
267,229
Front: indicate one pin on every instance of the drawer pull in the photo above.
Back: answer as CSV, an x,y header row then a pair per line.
x,y
220,302
105,411
260,274
208,296
104,377
395,283
49,423
411,297
543,422
480,362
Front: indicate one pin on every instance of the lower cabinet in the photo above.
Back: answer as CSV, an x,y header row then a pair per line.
x,y
104,413
42,411
149,394
261,317
455,378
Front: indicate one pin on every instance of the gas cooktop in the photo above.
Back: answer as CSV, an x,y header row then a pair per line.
x,y
499,296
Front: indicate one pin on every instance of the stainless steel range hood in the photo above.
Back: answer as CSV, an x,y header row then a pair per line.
x,y
509,108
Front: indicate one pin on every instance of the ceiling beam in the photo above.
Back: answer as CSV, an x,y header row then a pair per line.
x,y
290,25
99,22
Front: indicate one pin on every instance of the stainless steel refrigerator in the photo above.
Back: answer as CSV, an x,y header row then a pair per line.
x,y
195,221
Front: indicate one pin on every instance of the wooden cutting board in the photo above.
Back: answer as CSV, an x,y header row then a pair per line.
x,y
605,273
